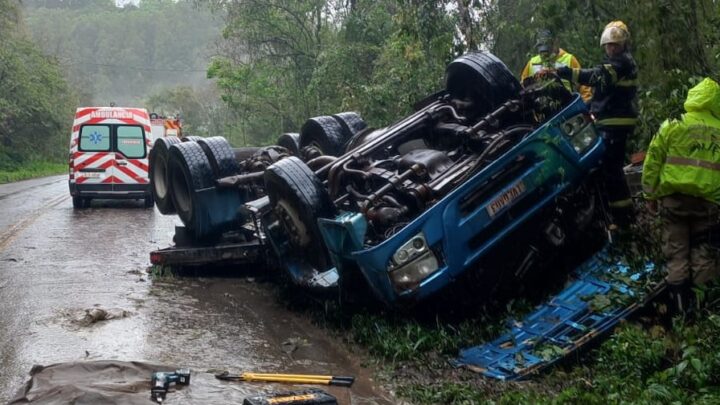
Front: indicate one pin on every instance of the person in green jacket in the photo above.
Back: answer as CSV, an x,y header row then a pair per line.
x,y
681,175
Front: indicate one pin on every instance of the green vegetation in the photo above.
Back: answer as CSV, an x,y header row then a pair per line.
x,y
31,170
35,102
161,272
642,362
284,61
123,55
645,360
279,62
58,55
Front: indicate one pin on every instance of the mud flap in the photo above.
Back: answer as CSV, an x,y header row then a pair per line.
x,y
602,293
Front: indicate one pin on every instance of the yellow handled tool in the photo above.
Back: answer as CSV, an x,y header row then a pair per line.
x,y
288,378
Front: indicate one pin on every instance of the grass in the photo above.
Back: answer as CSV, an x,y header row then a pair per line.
x,y
32,170
160,272
643,361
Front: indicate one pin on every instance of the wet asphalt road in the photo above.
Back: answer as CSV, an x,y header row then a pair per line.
x,y
56,263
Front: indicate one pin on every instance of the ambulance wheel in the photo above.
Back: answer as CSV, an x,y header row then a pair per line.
x,y
298,198
482,79
148,201
78,202
325,134
188,170
158,172
221,156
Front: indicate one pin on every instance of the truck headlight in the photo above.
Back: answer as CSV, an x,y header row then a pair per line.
x,y
412,263
581,132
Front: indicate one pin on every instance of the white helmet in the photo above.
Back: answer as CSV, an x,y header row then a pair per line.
x,y
615,32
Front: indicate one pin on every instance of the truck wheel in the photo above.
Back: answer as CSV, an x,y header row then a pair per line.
x,y
483,79
291,142
221,156
324,133
298,198
191,138
351,123
159,183
362,137
78,202
188,170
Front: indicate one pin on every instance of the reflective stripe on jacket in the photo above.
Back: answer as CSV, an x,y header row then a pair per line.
x,y
563,59
684,156
614,86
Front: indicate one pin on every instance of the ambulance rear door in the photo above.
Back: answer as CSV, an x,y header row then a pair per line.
x,y
131,156
94,161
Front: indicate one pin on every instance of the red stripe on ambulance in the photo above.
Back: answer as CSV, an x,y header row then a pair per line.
x,y
92,159
139,164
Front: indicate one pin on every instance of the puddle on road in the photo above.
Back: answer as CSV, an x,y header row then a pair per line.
x,y
251,332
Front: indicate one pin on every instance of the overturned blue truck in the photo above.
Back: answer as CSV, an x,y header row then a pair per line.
x,y
398,213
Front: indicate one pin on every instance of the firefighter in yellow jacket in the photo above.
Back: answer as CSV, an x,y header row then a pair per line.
x,y
550,56
681,174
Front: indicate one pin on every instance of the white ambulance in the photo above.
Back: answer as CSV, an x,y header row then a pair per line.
x,y
109,149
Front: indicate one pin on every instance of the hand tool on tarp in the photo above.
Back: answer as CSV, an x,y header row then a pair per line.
x,y
288,378
312,396
161,380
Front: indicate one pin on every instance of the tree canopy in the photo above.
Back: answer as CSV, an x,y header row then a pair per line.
x,y
121,55
276,63
35,101
284,61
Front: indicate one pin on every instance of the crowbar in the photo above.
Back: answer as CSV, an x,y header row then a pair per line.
x,y
342,381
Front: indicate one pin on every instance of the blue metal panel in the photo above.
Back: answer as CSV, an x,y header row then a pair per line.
x,y
566,323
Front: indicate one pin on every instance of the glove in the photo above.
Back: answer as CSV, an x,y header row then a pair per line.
x,y
564,72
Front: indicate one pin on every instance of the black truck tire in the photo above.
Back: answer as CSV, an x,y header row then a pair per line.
x,y
221,156
158,173
191,138
483,79
189,170
298,198
351,123
325,133
291,142
362,137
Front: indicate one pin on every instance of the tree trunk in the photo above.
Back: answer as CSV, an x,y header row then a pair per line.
x,y
466,28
